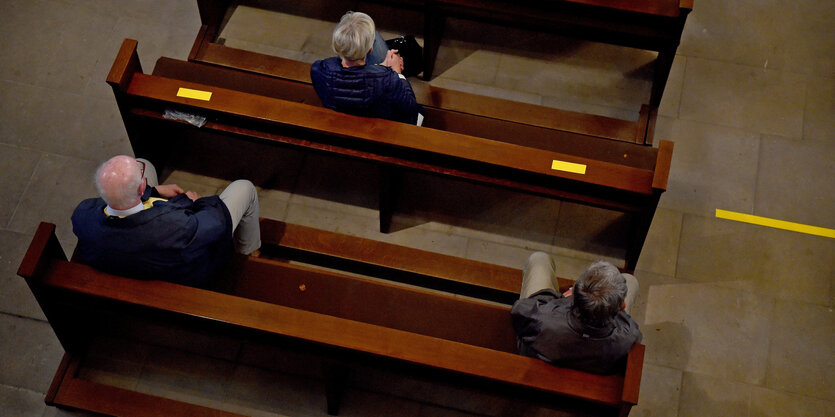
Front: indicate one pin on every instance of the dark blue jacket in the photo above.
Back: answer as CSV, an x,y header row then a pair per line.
x,y
178,241
368,90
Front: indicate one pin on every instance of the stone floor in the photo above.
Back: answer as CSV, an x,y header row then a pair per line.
x,y
737,318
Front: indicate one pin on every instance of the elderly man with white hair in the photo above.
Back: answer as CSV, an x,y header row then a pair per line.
x,y
357,82
587,328
140,229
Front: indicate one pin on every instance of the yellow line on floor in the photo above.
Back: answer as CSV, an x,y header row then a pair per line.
x,y
777,224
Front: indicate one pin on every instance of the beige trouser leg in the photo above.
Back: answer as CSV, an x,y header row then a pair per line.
x,y
539,274
150,172
631,292
241,198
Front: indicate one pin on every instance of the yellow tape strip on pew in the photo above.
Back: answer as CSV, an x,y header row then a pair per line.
x,y
568,167
195,94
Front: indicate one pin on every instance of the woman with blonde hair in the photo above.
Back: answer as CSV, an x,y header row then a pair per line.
x,y
365,78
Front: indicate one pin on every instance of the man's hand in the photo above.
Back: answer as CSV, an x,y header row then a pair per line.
x,y
393,61
169,190
569,292
192,195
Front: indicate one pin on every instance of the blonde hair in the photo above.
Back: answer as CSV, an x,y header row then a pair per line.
x,y
353,36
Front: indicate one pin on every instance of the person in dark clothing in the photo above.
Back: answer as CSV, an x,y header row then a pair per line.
x,y
352,83
139,229
587,328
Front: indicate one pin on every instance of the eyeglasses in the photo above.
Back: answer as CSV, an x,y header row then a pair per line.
x,y
141,168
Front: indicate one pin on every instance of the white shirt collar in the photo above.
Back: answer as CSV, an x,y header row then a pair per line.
x,y
124,213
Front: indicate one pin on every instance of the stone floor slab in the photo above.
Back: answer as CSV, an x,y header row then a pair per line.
x,y
338,183
368,227
185,377
294,29
712,167
801,350
55,189
792,181
700,327
20,402
579,79
671,100
703,395
19,166
766,261
50,60
596,231
770,403
660,391
282,394
660,251
480,211
745,97
30,351
819,113
15,298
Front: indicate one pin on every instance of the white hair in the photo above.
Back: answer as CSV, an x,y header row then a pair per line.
x,y
118,180
353,36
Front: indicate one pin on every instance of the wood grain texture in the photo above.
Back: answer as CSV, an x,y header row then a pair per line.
x,y
334,332
288,316
662,167
125,65
398,135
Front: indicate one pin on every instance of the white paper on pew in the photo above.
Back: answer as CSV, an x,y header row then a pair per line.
x,y
420,119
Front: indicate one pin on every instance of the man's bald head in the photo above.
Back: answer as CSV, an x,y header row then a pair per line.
x,y
120,183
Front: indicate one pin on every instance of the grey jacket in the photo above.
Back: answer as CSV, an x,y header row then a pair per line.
x,y
548,329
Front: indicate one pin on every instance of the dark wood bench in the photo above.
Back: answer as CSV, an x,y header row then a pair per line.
x,y
318,312
261,110
441,99
654,25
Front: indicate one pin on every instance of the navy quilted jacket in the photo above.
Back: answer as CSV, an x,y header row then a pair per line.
x,y
368,90
178,241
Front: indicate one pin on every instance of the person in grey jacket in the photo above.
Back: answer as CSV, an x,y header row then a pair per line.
x,y
355,83
587,328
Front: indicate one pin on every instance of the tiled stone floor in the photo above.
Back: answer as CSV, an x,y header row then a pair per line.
x,y
737,319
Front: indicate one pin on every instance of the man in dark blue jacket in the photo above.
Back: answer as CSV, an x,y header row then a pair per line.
x,y
143,230
351,84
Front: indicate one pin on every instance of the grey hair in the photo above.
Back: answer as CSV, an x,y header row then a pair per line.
x,y
125,193
353,36
599,293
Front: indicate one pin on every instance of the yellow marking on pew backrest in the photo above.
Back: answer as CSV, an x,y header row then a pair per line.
x,y
195,94
568,167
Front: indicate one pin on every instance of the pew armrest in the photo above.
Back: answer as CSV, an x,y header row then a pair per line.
x,y
126,64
